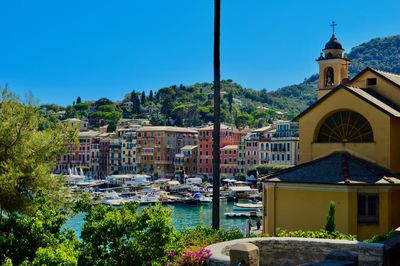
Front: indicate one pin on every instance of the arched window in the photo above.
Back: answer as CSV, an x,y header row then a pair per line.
x,y
329,76
345,126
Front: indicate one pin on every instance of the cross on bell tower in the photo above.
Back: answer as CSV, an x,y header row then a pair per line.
x,y
333,27
333,65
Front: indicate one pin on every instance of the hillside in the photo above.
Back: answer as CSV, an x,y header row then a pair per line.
x,y
192,105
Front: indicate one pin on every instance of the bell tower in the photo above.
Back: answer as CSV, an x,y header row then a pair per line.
x,y
333,65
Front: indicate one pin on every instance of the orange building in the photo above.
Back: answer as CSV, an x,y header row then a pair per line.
x,y
158,145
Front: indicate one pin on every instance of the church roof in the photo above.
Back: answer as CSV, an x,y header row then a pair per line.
x,y
390,77
368,96
333,43
337,168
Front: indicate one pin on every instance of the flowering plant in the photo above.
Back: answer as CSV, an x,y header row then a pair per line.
x,y
195,258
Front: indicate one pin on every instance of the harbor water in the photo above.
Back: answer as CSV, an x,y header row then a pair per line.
x,y
183,216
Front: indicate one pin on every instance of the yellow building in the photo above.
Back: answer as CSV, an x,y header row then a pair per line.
x,y
349,154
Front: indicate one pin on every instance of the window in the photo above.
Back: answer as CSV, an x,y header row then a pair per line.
x,y
288,157
368,208
329,76
371,81
345,126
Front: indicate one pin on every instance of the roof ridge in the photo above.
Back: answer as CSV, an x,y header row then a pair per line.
x,y
385,72
265,177
368,165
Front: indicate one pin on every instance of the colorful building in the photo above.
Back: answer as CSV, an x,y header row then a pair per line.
x,y
228,136
264,147
104,154
229,160
129,156
185,161
81,156
158,145
284,143
349,154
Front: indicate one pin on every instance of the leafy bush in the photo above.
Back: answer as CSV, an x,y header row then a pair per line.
x,y
112,236
315,234
382,238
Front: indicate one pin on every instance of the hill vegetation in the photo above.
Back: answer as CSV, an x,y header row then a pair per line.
x,y
192,105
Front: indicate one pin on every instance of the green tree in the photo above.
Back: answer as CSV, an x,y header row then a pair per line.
x,y
167,106
81,107
151,98
230,101
136,103
37,235
78,100
330,225
27,154
143,98
103,101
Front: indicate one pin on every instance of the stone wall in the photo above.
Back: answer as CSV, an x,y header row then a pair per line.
x,y
295,251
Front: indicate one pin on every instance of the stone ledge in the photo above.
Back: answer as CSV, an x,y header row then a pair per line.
x,y
294,251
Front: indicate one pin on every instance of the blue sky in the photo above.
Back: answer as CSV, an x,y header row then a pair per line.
x,y
59,50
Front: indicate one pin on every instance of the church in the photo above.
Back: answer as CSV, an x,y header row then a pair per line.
x,y
349,153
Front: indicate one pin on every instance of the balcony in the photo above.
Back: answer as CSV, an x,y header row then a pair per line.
x,y
286,134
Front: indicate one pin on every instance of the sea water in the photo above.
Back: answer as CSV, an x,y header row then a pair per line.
x,y
182,216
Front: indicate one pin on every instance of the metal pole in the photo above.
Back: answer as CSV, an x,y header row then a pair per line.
x,y
216,128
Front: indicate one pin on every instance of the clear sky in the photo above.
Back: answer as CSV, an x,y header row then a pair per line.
x,y
61,49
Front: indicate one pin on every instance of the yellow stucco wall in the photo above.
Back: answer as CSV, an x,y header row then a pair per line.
x,y
305,207
378,152
395,144
382,87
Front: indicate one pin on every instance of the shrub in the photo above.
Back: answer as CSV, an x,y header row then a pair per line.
x,y
330,225
315,234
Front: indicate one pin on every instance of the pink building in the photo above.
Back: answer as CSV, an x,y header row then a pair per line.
x,y
228,136
229,160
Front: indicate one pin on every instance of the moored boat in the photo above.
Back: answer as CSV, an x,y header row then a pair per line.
x,y
252,214
247,206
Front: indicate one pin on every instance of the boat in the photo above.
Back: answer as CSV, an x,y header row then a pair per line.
x,y
203,199
247,206
251,214
187,201
112,199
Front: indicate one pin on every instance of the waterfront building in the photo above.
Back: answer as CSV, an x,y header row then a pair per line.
x,y
185,161
349,154
284,143
157,146
228,136
264,143
115,153
229,160
80,156
129,158
254,149
250,155
104,154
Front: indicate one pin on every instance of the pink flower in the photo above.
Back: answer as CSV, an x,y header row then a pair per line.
x,y
171,254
